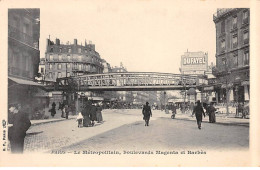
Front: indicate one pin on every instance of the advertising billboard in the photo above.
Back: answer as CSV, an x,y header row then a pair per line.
x,y
194,63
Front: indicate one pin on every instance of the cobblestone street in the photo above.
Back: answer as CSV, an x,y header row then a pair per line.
x,y
125,130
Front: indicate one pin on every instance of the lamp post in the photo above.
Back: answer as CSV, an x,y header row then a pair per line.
x,y
227,89
164,95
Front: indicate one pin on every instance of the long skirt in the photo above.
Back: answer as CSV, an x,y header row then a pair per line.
x,y
86,121
99,117
213,117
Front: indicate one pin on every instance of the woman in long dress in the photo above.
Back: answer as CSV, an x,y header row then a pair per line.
x,y
99,114
212,110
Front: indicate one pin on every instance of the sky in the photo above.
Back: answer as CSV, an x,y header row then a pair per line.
x,y
145,35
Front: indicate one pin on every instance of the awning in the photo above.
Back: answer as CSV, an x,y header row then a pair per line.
x,y
24,82
96,98
210,88
223,86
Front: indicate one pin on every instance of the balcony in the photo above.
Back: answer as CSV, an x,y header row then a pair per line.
x,y
246,41
22,37
245,21
221,12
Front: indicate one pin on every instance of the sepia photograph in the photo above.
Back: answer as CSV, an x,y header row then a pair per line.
x,y
128,83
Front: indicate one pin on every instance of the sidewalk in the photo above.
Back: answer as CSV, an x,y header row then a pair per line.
x,y
56,118
222,119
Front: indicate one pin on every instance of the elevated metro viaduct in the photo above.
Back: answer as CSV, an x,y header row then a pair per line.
x,y
126,81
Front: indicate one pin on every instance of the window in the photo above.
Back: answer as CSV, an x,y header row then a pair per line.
x,y
246,37
223,27
80,67
234,41
234,22
235,61
79,50
42,70
51,50
50,75
246,58
59,74
51,57
224,61
60,50
80,58
68,65
69,58
245,17
68,74
26,28
60,57
59,66
50,66
223,45
69,50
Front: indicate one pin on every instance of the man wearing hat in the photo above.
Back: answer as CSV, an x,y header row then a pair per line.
x,y
18,125
198,110
147,113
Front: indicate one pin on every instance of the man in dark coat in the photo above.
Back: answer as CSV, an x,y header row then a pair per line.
x,y
86,112
17,132
198,110
147,113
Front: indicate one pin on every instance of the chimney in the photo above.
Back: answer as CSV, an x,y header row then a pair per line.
x,y
85,43
57,41
75,41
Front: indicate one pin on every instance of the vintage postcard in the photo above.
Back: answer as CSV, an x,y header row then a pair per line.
x,y
142,83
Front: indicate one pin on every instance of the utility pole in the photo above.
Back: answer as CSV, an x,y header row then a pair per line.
x,y
227,93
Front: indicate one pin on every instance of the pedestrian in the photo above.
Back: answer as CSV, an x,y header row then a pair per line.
x,y
212,111
53,109
93,114
86,114
53,105
206,107
19,124
147,113
67,110
99,114
173,108
198,111
59,106
191,106
80,120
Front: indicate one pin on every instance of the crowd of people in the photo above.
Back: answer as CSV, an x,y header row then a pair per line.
x,y
89,114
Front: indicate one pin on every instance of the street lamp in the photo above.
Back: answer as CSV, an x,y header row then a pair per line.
x,y
227,73
164,95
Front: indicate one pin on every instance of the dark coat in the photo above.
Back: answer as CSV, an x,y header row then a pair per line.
x,y
21,124
147,112
198,110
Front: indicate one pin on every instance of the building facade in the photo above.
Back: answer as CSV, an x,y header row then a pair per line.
x,y
232,54
23,55
66,60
